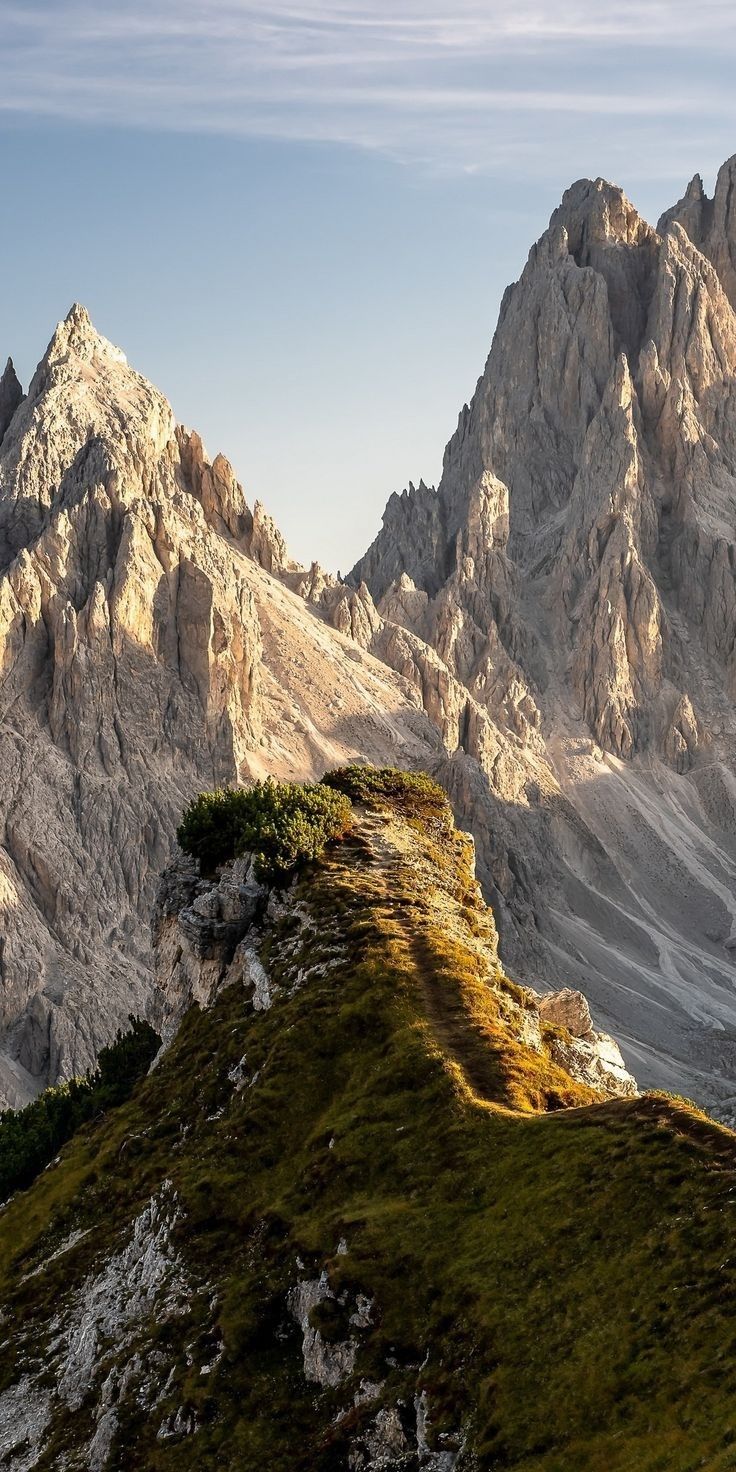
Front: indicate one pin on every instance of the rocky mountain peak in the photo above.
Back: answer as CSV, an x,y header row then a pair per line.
x,y
606,232
600,634
711,223
77,335
85,418
596,211
155,640
11,395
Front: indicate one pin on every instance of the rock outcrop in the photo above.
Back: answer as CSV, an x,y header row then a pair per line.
x,y
11,394
588,1055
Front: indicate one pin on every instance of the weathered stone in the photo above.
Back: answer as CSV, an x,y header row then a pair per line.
x,y
575,572
146,653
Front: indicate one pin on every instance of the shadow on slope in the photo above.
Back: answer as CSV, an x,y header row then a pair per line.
x,y
500,1287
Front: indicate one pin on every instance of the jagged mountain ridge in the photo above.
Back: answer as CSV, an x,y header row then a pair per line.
x,y
146,652
608,389
580,551
361,1215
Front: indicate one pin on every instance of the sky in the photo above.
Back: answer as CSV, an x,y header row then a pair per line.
x,y
298,218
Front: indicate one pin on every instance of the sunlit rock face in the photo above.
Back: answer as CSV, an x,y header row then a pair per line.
x,y
146,652
575,571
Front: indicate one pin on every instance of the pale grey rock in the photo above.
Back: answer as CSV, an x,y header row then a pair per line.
x,y
90,1357
435,1461
325,1363
710,223
146,653
590,1056
681,740
143,1275
412,542
607,589
383,1445
201,938
601,629
25,1417
390,1441
256,977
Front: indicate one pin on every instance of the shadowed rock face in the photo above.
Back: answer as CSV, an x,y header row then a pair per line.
x,y
11,394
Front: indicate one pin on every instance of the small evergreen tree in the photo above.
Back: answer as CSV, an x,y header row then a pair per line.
x,y
31,1137
284,824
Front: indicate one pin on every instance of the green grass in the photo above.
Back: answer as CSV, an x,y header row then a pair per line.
x,y
559,1280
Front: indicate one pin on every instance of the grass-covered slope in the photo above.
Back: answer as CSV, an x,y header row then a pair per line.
x,y
366,1226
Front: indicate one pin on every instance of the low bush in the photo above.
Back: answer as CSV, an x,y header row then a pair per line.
x,y
284,824
31,1137
413,794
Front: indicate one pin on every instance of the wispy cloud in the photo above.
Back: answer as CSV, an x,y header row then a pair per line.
x,y
418,79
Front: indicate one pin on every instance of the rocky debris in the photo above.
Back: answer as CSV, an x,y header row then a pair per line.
x,y
91,1343
590,1056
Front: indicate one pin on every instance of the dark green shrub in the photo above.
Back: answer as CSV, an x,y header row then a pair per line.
x,y
413,794
123,1062
212,826
31,1137
284,824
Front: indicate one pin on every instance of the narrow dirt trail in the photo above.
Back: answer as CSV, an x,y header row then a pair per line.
x,y
455,1033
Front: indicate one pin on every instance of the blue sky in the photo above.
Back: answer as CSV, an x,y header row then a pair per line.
x,y
298,218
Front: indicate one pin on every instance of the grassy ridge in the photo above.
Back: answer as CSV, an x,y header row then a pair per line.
x,y
559,1281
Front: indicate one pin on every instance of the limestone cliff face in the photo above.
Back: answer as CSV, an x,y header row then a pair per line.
x,y
589,613
146,652
605,414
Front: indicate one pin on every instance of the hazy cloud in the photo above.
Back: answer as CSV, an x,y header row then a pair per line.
x,y
418,79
